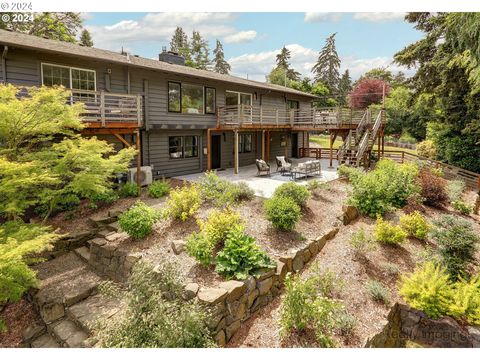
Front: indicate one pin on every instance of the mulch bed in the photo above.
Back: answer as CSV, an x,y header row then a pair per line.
x,y
17,316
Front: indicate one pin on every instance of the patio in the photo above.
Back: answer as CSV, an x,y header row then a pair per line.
x,y
264,186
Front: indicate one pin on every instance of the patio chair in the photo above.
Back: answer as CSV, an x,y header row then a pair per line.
x,y
283,165
262,167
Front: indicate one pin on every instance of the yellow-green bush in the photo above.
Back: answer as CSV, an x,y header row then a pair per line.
x,y
465,303
183,202
283,212
388,233
138,221
427,149
415,225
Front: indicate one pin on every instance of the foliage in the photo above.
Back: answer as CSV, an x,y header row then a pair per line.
x,y
283,73
367,92
326,69
388,233
306,307
138,221
183,202
199,51
455,189
432,188
283,212
462,207
158,188
156,316
465,304
128,189
457,243
223,192
86,38
414,203
427,289
344,88
361,243
102,199
427,149
415,225
240,191
348,171
201,248
378,292
221,66
391,269
20,244
297,193
241,256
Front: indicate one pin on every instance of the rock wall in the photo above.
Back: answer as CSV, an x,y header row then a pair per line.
x,y
404,323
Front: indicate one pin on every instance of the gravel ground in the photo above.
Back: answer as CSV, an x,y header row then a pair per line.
x,y
17,316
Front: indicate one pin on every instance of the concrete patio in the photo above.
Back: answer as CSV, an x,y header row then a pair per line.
x,y
265,185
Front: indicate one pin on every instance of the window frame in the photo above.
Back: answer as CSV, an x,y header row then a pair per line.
x,y
195,146
168,97
70,68
183,146
214,100
239,93
242,143
204,97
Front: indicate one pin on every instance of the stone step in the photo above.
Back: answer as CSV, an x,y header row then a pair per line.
x,y
45,341
97,308
83,253
115,226
64,281
68,334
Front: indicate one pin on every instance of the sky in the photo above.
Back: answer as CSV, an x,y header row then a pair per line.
x,y
251,40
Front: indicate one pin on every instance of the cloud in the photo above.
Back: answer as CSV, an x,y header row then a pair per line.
x,y
314,17
158,28
240,37
379,16
258,65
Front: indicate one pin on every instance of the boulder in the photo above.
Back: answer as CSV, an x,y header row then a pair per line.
x,y
313,247
235,289
264,286
350,213
33,331
281,271
232,329
178,246
190,291
250,284
212,296
288,261
297,263
220,338
265,273
307,255
251,297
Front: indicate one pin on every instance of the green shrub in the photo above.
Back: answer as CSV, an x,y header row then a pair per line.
x,y
361,243
462,208
378,292
455,189
428,289
240,191
65,203
128,190
155,315
427,149
457,243
223,192
282,212
201,248
465,304
304,308
138,221
415,225
388,233
349,172
297,193
432,188
103,199
183,202
241,256
391,269
158,188
346,323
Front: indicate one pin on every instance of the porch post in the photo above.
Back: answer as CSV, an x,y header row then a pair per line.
x,y
286,144
209,150
263,144
235,152
331,150
383,143
267,155
379,145
139,160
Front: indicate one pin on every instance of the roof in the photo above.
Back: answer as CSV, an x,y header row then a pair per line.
x,y
21,40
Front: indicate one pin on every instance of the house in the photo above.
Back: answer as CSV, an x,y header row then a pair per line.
x,y
186,120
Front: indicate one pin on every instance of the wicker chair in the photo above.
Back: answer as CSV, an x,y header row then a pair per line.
x,y
262,167
283,165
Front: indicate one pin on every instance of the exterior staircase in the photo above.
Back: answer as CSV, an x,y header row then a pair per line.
x,y
359,142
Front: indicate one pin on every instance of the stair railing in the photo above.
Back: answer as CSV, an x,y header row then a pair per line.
x,y
362,147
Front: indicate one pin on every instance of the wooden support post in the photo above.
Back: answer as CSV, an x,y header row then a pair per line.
x,y
403,157
209,149
379,145
235,151
139,162
267,155
383,144
331,150
102,107
263,145
286,145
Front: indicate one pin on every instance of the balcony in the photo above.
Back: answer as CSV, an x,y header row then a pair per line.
x,y
247,116
110,110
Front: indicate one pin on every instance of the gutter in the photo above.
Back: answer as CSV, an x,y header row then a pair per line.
x,y
4,64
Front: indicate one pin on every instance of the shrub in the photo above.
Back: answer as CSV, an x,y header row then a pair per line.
x,y
128,190
414,203
432,188
138,221
103,199
283,212
427,289
157,189
297,193
223,192
465,304
241,256
415,225
456,243
65,203
455,189
388,233
303,307
346,323
240,191
183,202
378,292
361,243
462,208
155,315
427,149
391,269
349,172
201,248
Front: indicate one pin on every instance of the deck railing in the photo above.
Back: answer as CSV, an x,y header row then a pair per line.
x,y
104,108
250,116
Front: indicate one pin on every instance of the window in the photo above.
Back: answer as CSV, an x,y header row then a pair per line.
x,y
233,98
293,104
174,97
183,146
72,78
192,99
245,143
210,100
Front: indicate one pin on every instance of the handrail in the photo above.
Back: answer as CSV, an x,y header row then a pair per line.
x,y
362,147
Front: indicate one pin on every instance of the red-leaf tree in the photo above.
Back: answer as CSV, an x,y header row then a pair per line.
x,y
366,92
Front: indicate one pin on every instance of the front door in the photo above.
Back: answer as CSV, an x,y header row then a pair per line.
x,y
216,152
295,145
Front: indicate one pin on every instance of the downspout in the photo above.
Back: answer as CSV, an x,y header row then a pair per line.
x,y
4,64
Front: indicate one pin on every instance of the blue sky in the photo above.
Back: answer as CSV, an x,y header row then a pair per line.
x,y
251,40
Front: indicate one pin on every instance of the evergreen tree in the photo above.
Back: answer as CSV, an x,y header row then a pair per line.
x,y
283,64
328,63
221,66
86,38
344,87
199,52
179,40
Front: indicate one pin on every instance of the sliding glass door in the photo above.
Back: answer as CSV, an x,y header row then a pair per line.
x,y
233,102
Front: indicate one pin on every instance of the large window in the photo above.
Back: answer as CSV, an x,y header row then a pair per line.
x,y
182,147
70,77
245,143
191,99
233,98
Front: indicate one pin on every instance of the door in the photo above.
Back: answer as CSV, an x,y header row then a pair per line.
x,y
215,151
233,102
295,145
